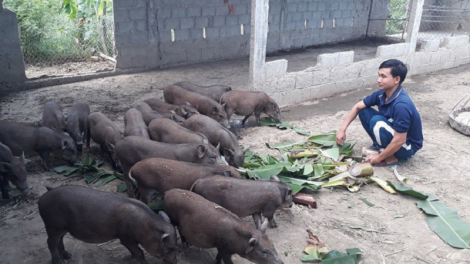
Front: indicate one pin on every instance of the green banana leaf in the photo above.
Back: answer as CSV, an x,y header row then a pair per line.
x,y
336,257
407,190
446,223
327,140
268,121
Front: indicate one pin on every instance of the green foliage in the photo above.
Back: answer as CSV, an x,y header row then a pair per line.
x,y
52,31
397,11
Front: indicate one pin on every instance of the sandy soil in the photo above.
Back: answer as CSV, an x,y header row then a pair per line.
x,y
393,231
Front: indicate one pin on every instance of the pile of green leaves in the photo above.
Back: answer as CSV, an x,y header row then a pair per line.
x,y
299,173
89,169
268,121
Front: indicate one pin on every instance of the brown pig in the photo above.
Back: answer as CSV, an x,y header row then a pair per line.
x,y
217,134
105,133
42,140
53,117
134,124
133,149
185,110
95,216
205,224
12,169
213,91
245,197
77,123
168,131
160,175
245,103
148,114
205,105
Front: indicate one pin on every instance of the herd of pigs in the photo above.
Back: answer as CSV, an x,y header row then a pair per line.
x,y
172,148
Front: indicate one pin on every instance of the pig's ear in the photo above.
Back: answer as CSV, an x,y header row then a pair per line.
x,y
274,178
65,143
83,134
263,226
218,147
228,173
22,158
252,243
288,194
163,237
214,110
228,153
164,216
187,103
201,150
4,167
273,105
110,146
184,110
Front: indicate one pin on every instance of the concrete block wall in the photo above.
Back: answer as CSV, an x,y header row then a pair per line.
x,y
330,76
164,33
11,57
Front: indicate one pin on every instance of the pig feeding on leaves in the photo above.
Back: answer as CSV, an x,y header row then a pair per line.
x,y
133,149
245,103
204,104
77,123
134,124
12,169
42,140
148,114
185,110
105,133
213,91
245,197
157,175
205,224
166,130
95,216
217,134
53,117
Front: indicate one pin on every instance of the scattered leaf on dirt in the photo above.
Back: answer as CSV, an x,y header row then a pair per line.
x,y
367,202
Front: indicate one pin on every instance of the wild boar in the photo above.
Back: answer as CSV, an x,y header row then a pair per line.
x,y
213,91
53,117
37,139
245,103
157,175
134,124
12,169
73,209
133,149
205,224
168,131
105,133
148,114
245,197
217,134
77,123
185,110
205,105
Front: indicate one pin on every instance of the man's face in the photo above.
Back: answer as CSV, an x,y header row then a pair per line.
x,y
385,80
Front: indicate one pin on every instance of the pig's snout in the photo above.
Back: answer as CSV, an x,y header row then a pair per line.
x,y
26,191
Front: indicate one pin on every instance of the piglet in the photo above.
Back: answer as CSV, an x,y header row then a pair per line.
x,y
213,91
205,224
104,132
77,123
53,117
95,216
12,169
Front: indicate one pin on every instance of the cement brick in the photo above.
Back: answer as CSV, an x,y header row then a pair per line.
x,y
137,13
231,20
312,6
164,36
275,69
125,3
187,22
430,45
140,37
163,12
178,12
328,60
229,31
121,15
194,11
457,41
124,27
221,10
286,83
141,3
219,21
245,19
343,5
400,49
181,34
121,39
301,7
385,51
297,16
242,9
345,58
195,33
208,11
122,62
201,22
141,25
172,23
303,80
317,15
321,6
212,33
291,7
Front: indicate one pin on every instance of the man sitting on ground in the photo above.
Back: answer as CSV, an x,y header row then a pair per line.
x,y
395,129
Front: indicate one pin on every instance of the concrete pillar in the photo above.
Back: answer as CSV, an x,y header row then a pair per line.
x,y
258,39
412,29
11,57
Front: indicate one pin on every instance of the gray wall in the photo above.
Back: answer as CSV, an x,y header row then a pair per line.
x,y
11,56
143,28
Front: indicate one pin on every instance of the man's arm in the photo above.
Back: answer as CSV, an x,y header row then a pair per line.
x,y
341,134
398,140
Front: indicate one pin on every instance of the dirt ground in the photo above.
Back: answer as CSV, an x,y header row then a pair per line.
x,y
392,231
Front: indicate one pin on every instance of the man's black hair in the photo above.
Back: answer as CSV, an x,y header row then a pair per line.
x,y
397,67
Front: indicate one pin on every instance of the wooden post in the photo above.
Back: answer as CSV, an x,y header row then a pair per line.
x,y
412,29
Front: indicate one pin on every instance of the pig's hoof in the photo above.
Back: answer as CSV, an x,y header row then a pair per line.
x,y
66,255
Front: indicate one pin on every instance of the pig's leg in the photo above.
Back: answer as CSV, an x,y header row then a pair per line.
x,y
3,187
257,219
246,118
257,116
62,251
53,240
45,158
270,216
136,252
225,256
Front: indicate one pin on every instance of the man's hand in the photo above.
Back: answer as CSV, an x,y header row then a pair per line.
x,y
340,137
373,159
